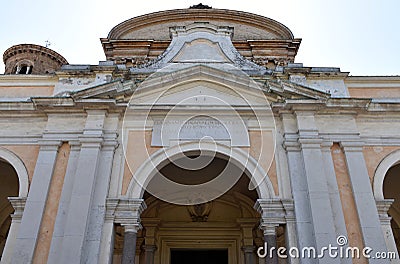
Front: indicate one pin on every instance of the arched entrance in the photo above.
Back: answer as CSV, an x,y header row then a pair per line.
x,y
14,183
391,186
225,229
386,186
9,187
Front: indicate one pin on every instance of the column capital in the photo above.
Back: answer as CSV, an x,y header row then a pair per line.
x,y
326,146
149,248
49,144
352,146
18,203
91,141
248,249
110,141
310,141
274,212
268,229
126,212
75,145
111,206
383,207
129,227
291,143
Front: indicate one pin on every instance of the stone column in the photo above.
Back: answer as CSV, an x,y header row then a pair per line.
x,y
364,199
108,232
149,251
129,250
290,230
151,227
272,215
127,214
249,254
18,203
247,225
270,239
383,208
35,204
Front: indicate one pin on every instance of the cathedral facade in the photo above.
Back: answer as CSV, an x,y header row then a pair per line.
x,y
198,140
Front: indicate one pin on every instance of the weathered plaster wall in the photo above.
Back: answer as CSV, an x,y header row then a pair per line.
x,y
138,150
348,204
51,209
374,155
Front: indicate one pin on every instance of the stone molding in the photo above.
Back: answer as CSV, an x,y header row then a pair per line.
x,y
383,208
18,203
274,212
126,212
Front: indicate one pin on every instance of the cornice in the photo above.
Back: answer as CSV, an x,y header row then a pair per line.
x,y
31,79
369,79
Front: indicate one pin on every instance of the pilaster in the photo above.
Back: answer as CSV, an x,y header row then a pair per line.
x,y
383,208
56,246
333,190
35,204
310,142
364,199
92,244
18,203
78,219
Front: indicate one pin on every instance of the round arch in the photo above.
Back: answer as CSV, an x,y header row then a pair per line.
x,y
380,173
239,157
19,168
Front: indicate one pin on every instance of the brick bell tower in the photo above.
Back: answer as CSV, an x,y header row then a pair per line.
x,y
32,59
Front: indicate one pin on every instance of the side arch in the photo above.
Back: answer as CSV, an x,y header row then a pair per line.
x,y
239,157
380,173
19,168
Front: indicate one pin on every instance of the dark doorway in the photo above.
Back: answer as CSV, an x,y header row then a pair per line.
x,y
201,256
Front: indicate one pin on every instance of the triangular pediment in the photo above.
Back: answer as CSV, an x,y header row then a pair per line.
x,y
199,85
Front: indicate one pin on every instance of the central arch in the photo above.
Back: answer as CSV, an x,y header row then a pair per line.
x,y
239,157
227,227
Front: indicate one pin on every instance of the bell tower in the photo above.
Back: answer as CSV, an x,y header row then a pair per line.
x,y
32,59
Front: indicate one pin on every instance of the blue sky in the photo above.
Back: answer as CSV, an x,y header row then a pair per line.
x,y
361,37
